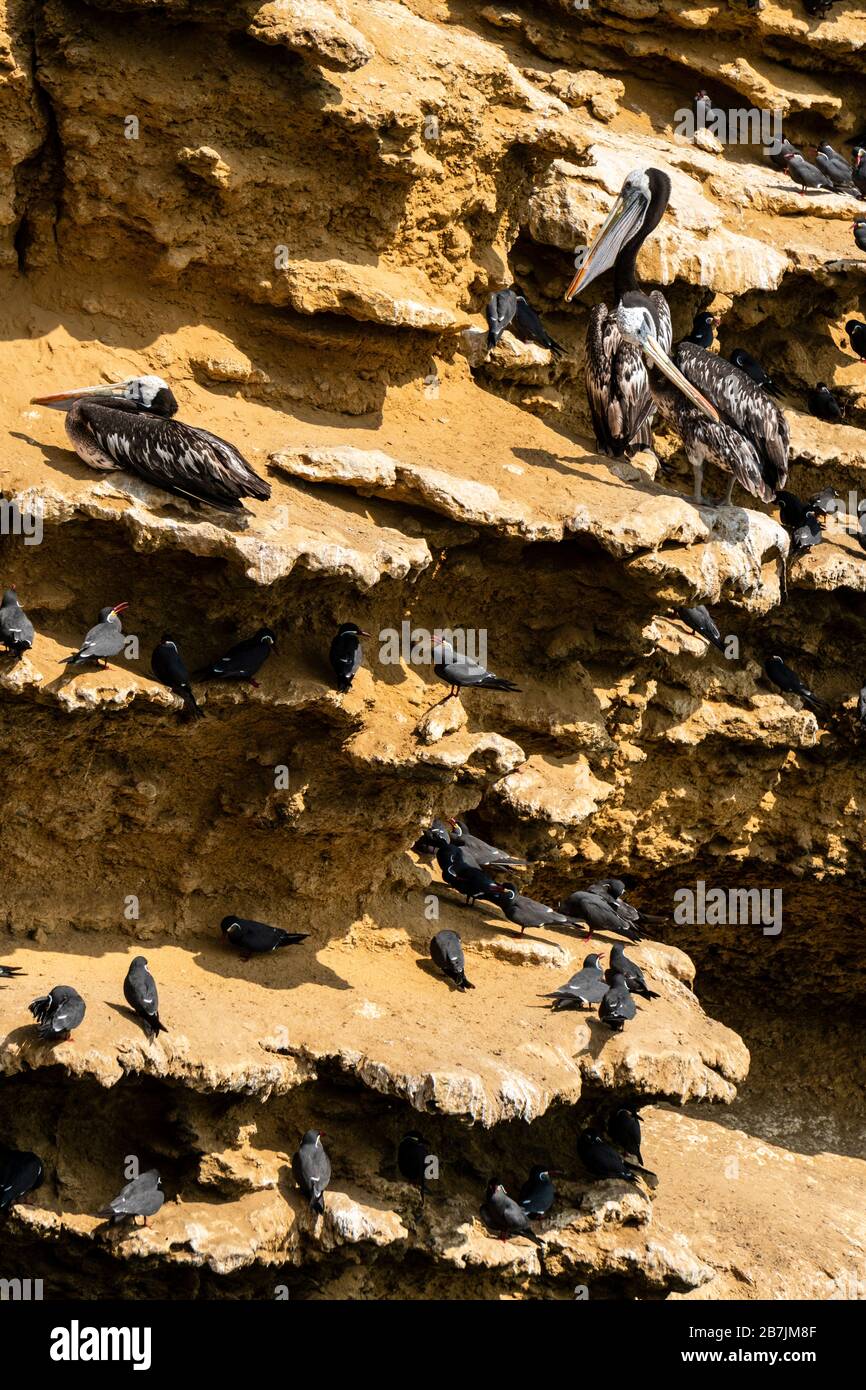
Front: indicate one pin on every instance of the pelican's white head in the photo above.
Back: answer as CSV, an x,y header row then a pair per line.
x,y
625,217
149,392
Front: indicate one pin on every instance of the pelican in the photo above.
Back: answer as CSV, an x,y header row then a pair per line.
x,y
724,417
616,379
129,425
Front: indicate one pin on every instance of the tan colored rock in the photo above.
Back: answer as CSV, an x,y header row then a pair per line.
x,y
206,164
315,31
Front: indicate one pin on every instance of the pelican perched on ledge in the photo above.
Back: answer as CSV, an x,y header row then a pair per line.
x,y
129,425
616,380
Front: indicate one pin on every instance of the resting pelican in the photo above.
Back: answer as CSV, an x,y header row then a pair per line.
x,y
724,418
616,379
129,425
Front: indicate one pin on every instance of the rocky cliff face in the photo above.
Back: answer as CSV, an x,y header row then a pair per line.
x,y
295,212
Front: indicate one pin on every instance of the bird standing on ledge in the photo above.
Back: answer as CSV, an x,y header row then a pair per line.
x,y
105,639
16,629
243,660
58,1012
458,671
169,668
346,655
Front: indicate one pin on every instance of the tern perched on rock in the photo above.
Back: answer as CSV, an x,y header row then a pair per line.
x,y
822,403
525,912
631,973
837,169
789,682
106,639
20,1172
460,870
256,938
500,1213
538,1193
624,1129
602,1159
446,951
346,654
857,337
510,308
140,993
752,367
588,986
58,1012
312,1169
700,621
598,914
141,1197
169,668
806,174
617,1006
413,1159
243,660
16,629
460,671
488,856
703,330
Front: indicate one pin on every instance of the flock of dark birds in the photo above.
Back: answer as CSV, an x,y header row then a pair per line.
x,y
240,663
463,859
465,862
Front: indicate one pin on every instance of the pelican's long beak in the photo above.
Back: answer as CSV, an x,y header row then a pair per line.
x,y
62,400
622,222
657,355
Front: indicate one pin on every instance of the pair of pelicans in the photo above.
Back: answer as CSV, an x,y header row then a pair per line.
x,y
720,414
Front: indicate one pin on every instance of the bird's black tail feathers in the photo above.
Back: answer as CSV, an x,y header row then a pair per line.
x,y
462,983
191,705
292,938
156,1026
317,1203
637,1169
816,705
40,1006
499,683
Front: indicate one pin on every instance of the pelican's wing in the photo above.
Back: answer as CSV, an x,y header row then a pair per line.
x,y
616,386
